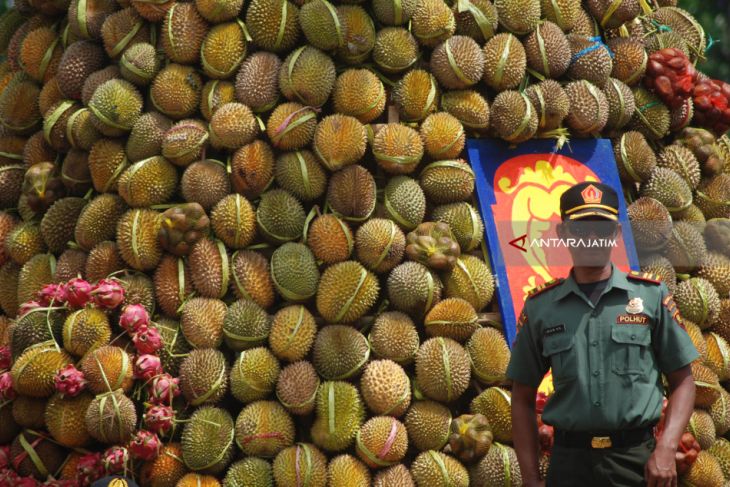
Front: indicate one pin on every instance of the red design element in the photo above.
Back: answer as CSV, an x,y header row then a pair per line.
x,y
521,239
591,194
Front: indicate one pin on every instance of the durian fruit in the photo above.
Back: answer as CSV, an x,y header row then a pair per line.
x,y
291,126
339,352
518,16
204,376
698,301
469,107
165,470
185,142
252,169
416,93
351,193
78,61
548,50
397,148
392,12
116,106
185,29
453,318
10,428
442,369
634,157
111,418
380,244
347,471
294,272
713,196
249,471
176,91
145,139
684,24
202,321
301,174
232,126
611,15
139,64
669,188
11,180
254,375
264,428
207,440
590,60
251,278
443,136
19,110
432,22
381,442
9,288
246,325
137,238
85,330
662,267
394,337
80,130
122,29
148,182
273,24
47,456
205,182
651,223
630,59
360,94
621,104
513,118
359,34
395,476
589,107
339,415
107,161
720,449
198,480
702,428
404,202
234,221
698,339
472,280
296,387
223,49
720,413
437,469
34,275
301,460
107,369
174,345
173,283
652,117
428,424
96,79
330,239
292,333
86,19
28,412
346,292
339,141
322,24
707,385
682,161
715,269
34,371
705,470
280,216
307,75
477,19
395,49
495,404
36,326
499,465
138,289
23,242
257,81
458,62
414,289
385,388
447,181
65,419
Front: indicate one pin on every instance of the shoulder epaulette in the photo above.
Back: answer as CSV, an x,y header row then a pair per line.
x,y
544,287
644,276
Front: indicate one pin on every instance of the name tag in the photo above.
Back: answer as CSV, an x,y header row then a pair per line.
x,y
630,319
553,330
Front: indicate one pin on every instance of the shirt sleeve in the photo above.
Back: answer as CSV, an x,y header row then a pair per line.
x,y
527,365
673,347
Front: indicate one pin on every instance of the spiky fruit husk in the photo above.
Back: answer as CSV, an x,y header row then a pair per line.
x,y
702,428
51,455
111,417
346,470
381,442
107,161
107,369
339,141
207,440
359,38
469,107
414,289
428,423
339,352
302,460
707,385
246,325
201,321
251,277
254,375
257,81
85,330
548,50
652,117
148,182
703,471
296,387
205,182
28,412
165,470
359,93
513,118
307,75
216,93
453,318
458,62
176,91
37,271
715,269
294,272
436,469
19,112
720,413
71,263
280,216
145,139
185,142
621,104
330,239
346,292
442,369
122,29
234,221
204,376
198,480
137,238
478,20
301,174
713,196
651,222
351,193
264,428
173,284
252,169
273,24
669,188
416,95
339,415
65,419
498,465
292,333
291,126
24,241
432,22
635,158
385,387
443,136
395,476
394,337
232,126
138,289
495,404
630,58
9,288
395,49
698,301
97,221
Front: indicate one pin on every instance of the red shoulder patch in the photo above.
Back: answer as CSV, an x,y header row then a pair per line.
x,y
544,286
644,276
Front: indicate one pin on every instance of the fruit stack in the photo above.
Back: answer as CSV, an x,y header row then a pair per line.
x,y
239,244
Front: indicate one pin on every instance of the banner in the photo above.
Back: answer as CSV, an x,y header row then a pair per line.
x,y
519,190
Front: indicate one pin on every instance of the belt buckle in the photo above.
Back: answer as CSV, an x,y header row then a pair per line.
x,y
600,442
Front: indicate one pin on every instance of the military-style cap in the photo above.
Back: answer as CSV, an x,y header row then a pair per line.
x,y
589,199
115,481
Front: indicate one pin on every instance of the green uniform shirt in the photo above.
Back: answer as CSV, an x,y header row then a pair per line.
x,y
606,360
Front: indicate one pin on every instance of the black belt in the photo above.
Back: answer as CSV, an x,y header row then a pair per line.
x,y
600,440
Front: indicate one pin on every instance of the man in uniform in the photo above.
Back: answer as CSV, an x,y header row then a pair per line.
x,y
608,337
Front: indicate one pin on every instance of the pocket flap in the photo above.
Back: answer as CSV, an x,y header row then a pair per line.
x,y
557,343
633,334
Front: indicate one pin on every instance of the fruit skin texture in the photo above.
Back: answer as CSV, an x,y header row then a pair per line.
x,y
430,468
436,380
207,440
386,388
264,428
302,460
346,292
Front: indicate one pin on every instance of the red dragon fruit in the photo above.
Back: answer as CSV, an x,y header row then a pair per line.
x,y
145,445
27,307
108,294
671,75
712,105
164,388
52,294
7,392
159,418
133,317
78,292
147,340
4,456
147,366
115,460
6,358
70,381
90,468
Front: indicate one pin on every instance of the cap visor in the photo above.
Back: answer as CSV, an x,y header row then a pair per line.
x,y
593,212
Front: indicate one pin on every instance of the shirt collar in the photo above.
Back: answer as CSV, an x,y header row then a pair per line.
x,y
617,279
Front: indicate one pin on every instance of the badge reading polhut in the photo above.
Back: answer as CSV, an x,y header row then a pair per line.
x,y
635,306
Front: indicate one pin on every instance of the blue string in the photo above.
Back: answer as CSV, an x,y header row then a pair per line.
x,y
597,44
711,42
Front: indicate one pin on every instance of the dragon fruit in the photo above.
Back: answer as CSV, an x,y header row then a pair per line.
x,y
147,366
164,388
108,294
147,340
145,445
7,392
78,292
133,317
115,460
159,418
70,381
52,294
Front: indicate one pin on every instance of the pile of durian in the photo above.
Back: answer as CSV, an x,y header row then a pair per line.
x,y
240,245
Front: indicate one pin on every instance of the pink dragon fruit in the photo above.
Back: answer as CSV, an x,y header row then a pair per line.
x,y
159,419
7,392
133,317
28,306
90,468
70,381
108,294
147,366
145,445
115,460
52,294
6,358
78,292
147,340
164,388
4,456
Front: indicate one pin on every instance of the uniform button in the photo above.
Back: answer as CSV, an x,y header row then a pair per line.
x,y
594,343
597,403
633,337
595,373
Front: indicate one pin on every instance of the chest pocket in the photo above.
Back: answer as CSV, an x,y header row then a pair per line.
x,y
631,353
559,349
